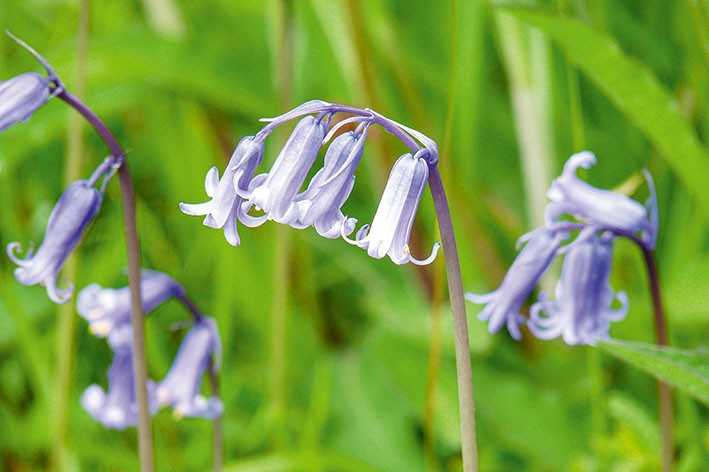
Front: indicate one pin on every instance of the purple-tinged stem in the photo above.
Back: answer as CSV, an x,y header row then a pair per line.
x,y
460,322
664,392
140,374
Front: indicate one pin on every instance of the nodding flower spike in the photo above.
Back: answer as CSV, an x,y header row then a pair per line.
x,y
73,213
21,96
117,408
180,387
320,205
503,305
275,191
224,207
391,227
108,310
602,208
582,310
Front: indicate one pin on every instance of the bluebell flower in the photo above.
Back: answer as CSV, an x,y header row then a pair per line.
x,y
598,207
21,96
180,388
108,310
391,227
274,192
117,408
583,309
223,210
503,305
320,205
73,213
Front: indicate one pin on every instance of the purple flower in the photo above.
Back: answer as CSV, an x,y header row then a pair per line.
x,y
180,388
224,207
117,408
21,96
582,310
391,228
76,208
503,305
601,208
108,310
275,191
320,205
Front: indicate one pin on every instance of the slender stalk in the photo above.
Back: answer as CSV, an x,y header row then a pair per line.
x,y
460,323
140,375
664,392
66,349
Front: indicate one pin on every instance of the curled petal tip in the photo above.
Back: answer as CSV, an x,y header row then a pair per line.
x,y
429,259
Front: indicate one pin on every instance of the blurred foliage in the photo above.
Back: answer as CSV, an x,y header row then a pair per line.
x,y
181,81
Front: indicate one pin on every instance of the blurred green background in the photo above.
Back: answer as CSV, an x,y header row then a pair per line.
x,y
327,353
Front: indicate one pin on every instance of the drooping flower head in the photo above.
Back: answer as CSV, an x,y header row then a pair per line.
x,y
582,310
108,310
224,207
277,193
73,213
391,227
274,192
24,94
503,305
585,304
180,387
21,96
598,207
117,408
321,203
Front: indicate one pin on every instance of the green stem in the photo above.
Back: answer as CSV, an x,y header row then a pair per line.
x,y
66,349
664,392
464,372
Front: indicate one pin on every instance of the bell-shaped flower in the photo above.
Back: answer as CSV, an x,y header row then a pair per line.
x,y
275,191
108,310
117,408
224,207
583,308
503,305
21,96
598,207
321,203
199,350
391,227
72,214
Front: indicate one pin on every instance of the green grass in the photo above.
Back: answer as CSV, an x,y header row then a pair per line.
x,y
629,80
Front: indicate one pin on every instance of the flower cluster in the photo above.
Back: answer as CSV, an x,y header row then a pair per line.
x,y
108,312
584,303
278,195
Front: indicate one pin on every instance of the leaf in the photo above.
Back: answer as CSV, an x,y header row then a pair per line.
x,y
686,370
633,88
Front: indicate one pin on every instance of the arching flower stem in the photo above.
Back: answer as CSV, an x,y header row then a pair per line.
x,y
664,392
140,376
460,322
